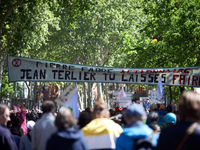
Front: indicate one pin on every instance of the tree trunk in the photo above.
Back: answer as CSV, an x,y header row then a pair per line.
x,y
117,86
39,94
106,95
99,91
1,74
2,61
89,95
192,88
80,100
29,91
170,93
85,95
50,88
34,94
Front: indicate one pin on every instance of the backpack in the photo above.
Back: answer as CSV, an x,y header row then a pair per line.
x,y
145,143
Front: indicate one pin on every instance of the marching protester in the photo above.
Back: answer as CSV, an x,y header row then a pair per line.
x,y
7,141
170,119
135,129
84,119
15,128
67,137
186,133
44,127
153,118
161,113
171,108
155,128
25,142
101,132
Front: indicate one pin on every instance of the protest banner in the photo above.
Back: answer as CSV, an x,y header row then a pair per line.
x,y
26,69
72,104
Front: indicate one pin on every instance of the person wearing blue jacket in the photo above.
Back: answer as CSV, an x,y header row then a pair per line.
x,y
67,137
135,128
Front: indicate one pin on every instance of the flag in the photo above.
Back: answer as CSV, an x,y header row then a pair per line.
x,y
23,121
16,108
159,90
72,104
67,94
121,94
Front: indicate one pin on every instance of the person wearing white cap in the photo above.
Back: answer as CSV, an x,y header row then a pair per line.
x,y
25,142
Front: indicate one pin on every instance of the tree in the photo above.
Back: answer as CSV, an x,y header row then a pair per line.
x,y
95,37
175,24
9,90
25,24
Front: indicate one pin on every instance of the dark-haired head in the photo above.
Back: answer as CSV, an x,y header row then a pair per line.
x,y
170,108
84,119
48,106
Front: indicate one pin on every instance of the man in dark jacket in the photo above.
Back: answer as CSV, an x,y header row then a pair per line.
x,y
67,136
7,141
171,137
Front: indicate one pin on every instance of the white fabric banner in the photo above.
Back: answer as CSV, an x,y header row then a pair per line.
x,y
67,94
72,103
159,90
25,69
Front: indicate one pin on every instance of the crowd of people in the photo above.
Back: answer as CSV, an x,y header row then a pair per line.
x,y
99,128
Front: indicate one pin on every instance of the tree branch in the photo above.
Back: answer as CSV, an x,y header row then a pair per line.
x,y
7,14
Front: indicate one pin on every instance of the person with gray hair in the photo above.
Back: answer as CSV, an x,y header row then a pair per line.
x,y
7,141
67,137
135,129
153,117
